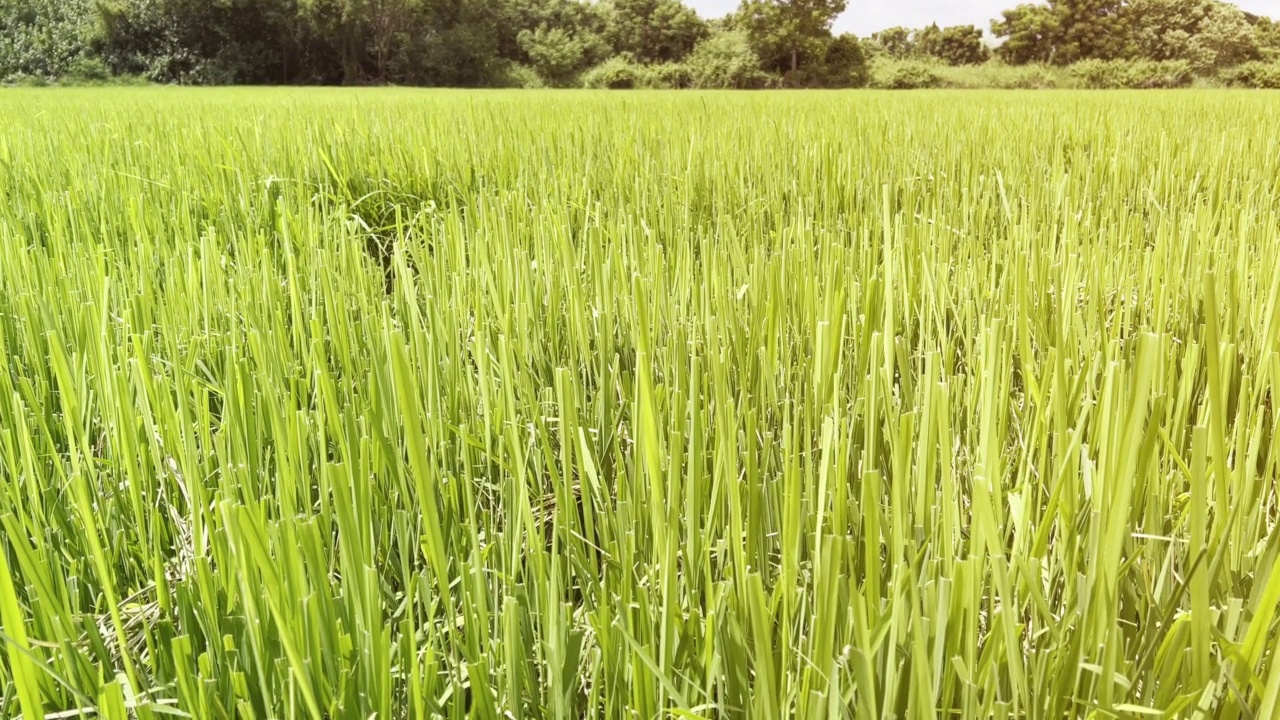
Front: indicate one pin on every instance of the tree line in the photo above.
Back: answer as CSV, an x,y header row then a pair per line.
x,y
561,43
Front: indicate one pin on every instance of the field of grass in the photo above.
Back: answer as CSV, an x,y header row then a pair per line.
x,y
402,404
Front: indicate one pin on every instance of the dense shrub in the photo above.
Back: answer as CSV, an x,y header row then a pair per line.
x,y
87,71
810,77
616,73
1133,74
43,38
909,75
21,79
845,63
1259,75
958,45
515,75
665,76
999,75
623,73
725,60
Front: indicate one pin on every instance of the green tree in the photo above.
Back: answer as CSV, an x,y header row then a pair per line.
x,y
355,27
1267,34
1225,39
962,45
554,53
450,43
894,42
1094,29
784,31
557,38
1030,34
419,42
388,24
1208,34
197,41
927,41
43,38
726,60
845,63
1164,29
558,54
653,30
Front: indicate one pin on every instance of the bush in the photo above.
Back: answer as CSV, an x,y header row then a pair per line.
x,y
1258,75
810,77
909,75
622,73
515,75
1125,74
998,75
725,61
665,76
616,73
918,74
845,63
21,79
1026,77
87,71
43,38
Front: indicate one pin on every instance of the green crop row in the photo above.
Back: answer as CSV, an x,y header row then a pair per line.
x,y
409,404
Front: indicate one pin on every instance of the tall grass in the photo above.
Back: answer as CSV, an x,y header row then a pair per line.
x,y
327,404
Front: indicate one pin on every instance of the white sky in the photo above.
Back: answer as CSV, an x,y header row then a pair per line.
x,y
867,16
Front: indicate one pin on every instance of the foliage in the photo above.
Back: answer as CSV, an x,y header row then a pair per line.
x,y
1267,33
894,42
1225,39
926,42
726,60
905,75
788,33
845,64
622,73
1208,34
997,75
517,75
1166,29
201,42
654,31
1257,74
87,71
476,43
1029,32
616,73
666,76
23,80
1133,74
1090,29
957,45
461,50
584,22
43,38
557,54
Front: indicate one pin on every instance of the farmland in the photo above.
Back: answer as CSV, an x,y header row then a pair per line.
x,y
408,404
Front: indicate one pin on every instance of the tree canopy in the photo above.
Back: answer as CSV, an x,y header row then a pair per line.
x,y
1207,34
556,42
785,31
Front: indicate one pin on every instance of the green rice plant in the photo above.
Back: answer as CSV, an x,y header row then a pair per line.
x,y
413,404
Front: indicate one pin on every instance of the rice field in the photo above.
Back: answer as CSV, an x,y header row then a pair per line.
x,y
416,404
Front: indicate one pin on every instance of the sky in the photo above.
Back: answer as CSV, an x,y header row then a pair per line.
x,y
867,16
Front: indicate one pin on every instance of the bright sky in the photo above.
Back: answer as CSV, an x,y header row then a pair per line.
x,y
867,16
